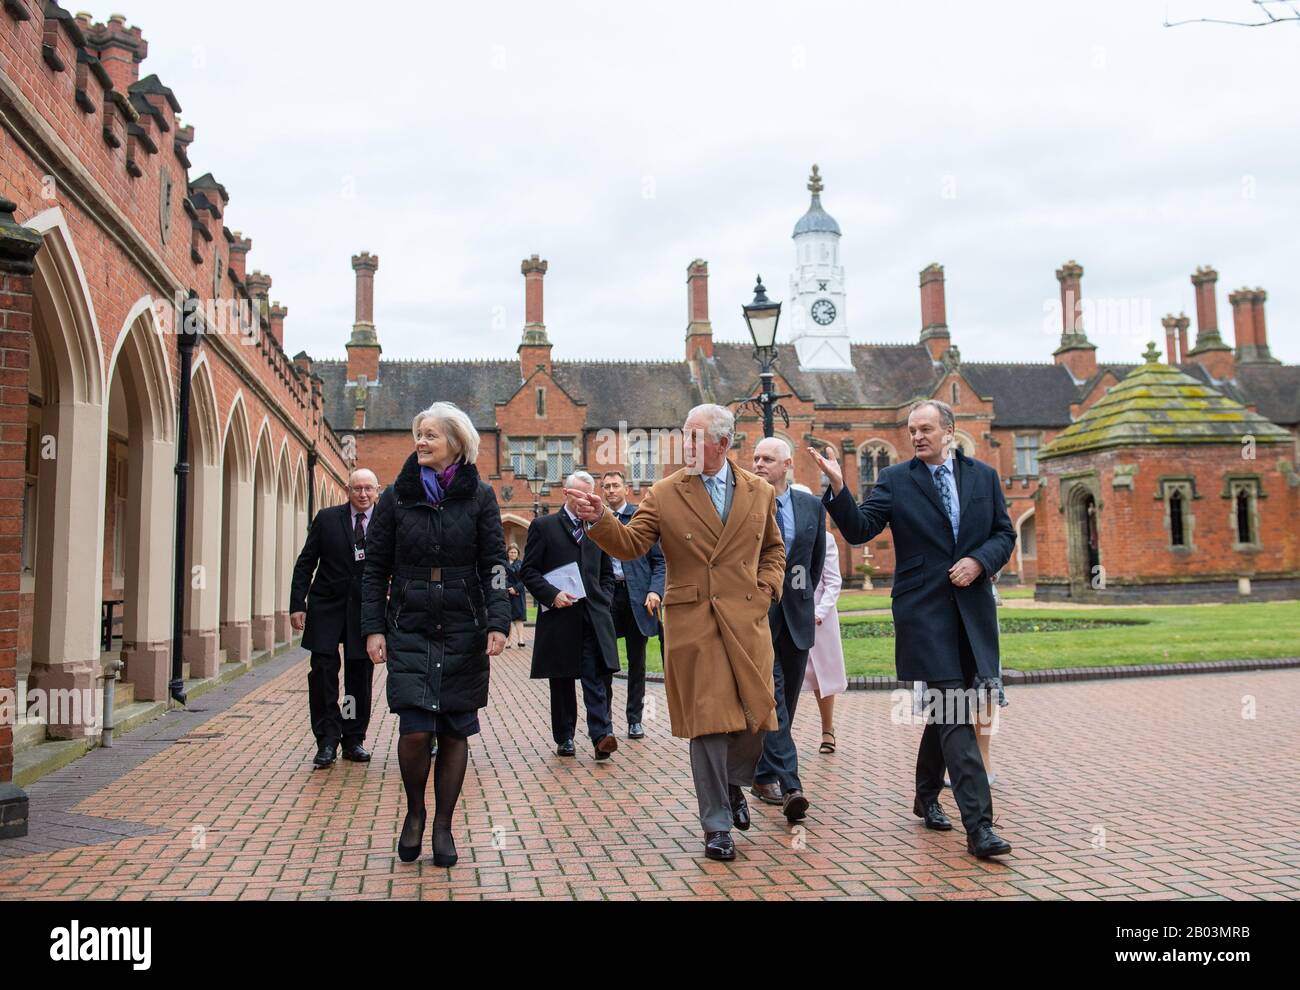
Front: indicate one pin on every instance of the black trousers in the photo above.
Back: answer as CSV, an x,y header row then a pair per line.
x,y
327,719
625,628
597,690
949,740
780,759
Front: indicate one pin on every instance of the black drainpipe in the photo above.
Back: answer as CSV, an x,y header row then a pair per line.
x,y
311,484
188,331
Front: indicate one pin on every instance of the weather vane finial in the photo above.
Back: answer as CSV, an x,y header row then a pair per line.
x,y
815,182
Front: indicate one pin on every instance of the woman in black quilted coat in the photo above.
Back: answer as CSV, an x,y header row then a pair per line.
x,y
434,607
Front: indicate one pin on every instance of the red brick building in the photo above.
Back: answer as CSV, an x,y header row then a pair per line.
x,y
107,248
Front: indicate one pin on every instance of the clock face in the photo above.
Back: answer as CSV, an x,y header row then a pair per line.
x,y
823,311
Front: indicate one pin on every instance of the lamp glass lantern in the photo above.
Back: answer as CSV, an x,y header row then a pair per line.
x,y
762,317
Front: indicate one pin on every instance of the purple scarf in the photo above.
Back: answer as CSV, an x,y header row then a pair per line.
x,y
436,483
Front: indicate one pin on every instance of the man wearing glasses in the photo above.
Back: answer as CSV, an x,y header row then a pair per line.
x,y
328,614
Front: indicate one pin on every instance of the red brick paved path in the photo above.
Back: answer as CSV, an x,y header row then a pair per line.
x,y
1191,799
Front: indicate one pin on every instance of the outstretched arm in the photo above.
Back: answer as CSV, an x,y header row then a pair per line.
x,y
624,542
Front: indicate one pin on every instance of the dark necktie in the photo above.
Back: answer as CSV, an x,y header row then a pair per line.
x,y
359,534
578,531
945,494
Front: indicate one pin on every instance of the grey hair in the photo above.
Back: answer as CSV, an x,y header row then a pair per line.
x,y
460,432
947,418
721,421
582,476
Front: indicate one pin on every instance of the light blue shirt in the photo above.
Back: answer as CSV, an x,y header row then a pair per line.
x,y
951,481
621,511
716,486
785,517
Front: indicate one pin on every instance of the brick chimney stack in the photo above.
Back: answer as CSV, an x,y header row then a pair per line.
x,y
934,312
120,48
1077,354
277,313
363,347
1257,352
1210,351
239,249
535,350
259,288
699,329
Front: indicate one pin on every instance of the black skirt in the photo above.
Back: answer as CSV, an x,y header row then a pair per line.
x,y
459,724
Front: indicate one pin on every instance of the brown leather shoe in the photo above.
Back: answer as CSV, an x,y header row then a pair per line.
x,y
795,807
606,744
767,793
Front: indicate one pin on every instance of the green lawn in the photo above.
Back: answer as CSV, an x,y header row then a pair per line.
x,y
856,601
1148,635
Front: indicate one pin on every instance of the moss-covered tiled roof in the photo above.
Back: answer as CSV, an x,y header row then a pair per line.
x,y
1158,404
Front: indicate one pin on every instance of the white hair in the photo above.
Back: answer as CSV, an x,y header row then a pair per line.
x,y
459,431
720,422
582,476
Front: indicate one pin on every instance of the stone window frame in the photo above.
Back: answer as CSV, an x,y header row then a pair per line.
x,y
1037,437
866,452
641,468
523,454
1185,485
540,411
1253,485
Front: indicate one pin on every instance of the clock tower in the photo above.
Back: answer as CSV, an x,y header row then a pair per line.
x,y
819,320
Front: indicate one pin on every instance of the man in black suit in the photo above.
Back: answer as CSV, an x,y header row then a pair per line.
x,y
793,621
325,606
951,535
638,593
575,636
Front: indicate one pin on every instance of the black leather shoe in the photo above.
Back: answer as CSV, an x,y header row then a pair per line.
x,y
739,808
933,815
605,745
325,756
984,842
444,847
356,754
795,807
566,749
409,854
768,793
718,845
635,731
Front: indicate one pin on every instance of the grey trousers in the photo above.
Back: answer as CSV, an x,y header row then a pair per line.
x,y
717,762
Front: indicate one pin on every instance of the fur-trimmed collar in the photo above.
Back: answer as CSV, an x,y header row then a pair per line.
x,y
410,488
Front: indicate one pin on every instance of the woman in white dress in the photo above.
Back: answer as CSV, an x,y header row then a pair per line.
x,y
825,675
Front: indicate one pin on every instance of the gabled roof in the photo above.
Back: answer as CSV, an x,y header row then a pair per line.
x,y
1024,395
884,375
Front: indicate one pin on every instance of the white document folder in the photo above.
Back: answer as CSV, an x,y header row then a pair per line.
x,y
567,578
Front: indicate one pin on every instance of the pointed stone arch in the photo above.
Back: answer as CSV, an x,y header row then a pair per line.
x,y
60,590
264,538
284,537
204,562
138,433
236,595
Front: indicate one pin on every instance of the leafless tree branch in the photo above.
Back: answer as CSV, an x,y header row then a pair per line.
x,y
1270,18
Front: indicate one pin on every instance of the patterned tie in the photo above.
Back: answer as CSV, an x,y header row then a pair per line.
x,y
714,485
941,482
578,531
359,534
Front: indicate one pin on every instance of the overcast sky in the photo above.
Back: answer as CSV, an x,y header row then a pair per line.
x,y
620,141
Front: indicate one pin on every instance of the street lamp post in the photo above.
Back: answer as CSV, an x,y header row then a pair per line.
x,y
762,317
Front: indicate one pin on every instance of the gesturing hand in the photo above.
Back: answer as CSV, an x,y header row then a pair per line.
x,y
830,467
587,506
